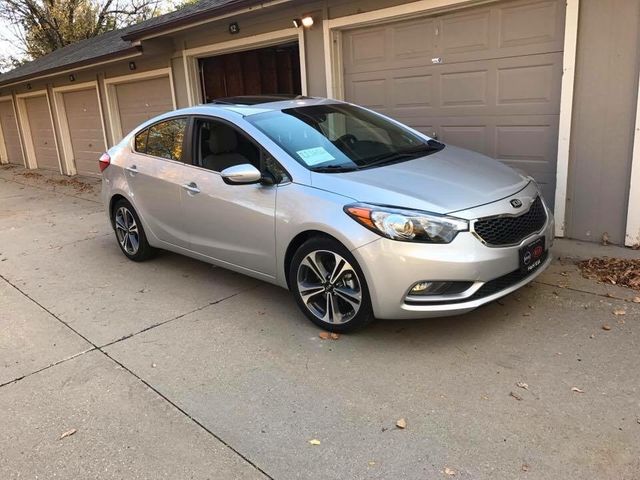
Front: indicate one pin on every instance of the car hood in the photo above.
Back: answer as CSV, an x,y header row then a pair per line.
x,y
447,181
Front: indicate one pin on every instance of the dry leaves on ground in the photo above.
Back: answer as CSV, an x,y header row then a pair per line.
x,y
606,327
314,441
616,271
577,390
515,395
450,471
522,385
619,311
68,433
401,423
77,185
636,299
328,335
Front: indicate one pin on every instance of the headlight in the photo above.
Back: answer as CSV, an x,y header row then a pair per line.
x,y
407,225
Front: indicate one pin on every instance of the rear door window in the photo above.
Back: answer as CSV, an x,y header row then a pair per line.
x,y
163,140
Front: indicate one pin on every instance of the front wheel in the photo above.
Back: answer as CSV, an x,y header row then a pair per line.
x,y
329,286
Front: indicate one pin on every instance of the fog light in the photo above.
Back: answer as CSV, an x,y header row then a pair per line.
x,y
429,288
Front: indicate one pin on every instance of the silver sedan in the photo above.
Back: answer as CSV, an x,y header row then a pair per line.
x,y
360,216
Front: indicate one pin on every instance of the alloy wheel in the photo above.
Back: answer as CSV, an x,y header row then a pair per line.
x,y
127,231
329,287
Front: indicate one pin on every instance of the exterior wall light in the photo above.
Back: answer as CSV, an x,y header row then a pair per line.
x,y
132,65
306,21
72,78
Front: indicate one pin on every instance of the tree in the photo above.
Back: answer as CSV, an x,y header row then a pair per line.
x,y
39,27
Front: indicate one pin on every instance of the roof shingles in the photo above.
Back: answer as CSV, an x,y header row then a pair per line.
x,y
116,42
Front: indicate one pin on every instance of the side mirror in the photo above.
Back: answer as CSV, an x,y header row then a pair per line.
x,y
241,174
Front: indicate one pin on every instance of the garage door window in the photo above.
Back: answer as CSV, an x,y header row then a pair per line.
x,y
164,139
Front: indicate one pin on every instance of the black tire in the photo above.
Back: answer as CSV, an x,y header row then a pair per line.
x,y
143,251
351,282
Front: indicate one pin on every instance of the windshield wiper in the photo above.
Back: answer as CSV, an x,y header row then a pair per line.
x,y
432,146
333,169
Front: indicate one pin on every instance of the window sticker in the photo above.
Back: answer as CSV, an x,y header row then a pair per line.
x,y
314,156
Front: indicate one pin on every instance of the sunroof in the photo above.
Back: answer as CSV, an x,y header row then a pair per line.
x,y
256,99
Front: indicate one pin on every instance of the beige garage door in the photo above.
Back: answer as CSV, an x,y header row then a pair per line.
x,y
10,133
85,129
44,144
484,78
139,101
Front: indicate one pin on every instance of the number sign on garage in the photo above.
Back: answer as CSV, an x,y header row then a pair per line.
x,y
485,78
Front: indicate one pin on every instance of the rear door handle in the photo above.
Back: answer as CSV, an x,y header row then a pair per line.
x,y
132,169
191,187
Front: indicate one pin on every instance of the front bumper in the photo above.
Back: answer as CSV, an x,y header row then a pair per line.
x,y
391,268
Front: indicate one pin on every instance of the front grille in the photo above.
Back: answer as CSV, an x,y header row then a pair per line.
x,y
489,288
507,230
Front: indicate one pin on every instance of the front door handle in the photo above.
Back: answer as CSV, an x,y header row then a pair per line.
x,y
191,187
132,170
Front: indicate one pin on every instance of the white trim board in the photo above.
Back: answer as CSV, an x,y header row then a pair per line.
x,y
61,114
632,236
191,56
110,84
566,113
31,161
332,29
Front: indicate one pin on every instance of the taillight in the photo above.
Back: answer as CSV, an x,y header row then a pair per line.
x,y
104,162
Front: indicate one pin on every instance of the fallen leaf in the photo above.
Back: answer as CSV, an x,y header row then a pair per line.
x,y
450,471
636,300
314,442
372,463
515,395
606,327
592,336
577,390
335,336
325,335
522,385
401,423
525,467
68,433
605,238
619,311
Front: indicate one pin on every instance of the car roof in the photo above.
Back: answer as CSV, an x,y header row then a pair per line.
x,y
254,104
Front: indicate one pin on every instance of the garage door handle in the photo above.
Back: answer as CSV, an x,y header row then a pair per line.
x,y
132,169
191,188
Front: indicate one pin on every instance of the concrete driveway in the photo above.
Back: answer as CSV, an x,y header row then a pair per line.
x,y
175,369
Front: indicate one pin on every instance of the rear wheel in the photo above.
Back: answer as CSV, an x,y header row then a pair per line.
x,y
329,286
129,232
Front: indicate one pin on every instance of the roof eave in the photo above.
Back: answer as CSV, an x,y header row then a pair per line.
x,y
113,56
184,22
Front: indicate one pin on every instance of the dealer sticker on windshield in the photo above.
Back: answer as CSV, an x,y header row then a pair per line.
x,y
314,156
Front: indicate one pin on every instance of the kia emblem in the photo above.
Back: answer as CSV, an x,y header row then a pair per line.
x,y
516,203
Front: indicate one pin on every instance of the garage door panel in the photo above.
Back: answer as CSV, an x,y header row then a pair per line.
x,y
465,33
531,24
473,137
10,134
85,129
368,47
42,134
139,101
413,40
413,91
465,88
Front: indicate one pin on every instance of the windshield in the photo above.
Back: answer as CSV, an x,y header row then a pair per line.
x,y
339,137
